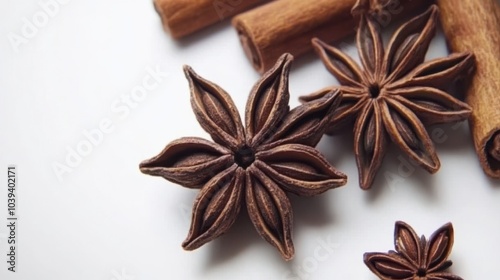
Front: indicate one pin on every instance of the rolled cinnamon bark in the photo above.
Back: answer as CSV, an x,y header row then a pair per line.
x,y
183,17
474,25
285,26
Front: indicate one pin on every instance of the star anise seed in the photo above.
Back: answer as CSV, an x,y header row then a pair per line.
x,y
256,164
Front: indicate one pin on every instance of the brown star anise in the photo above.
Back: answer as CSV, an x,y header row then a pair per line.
x,y
415,258
396,94
256,165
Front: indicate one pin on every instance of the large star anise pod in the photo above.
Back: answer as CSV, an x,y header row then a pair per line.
x,y
415,258
395,95
256,165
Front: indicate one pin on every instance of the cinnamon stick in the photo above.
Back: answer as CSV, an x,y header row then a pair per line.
x,y
474,25
184,17
285,26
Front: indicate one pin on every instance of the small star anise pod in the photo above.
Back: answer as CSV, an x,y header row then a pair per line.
x,y
374,8
396,95
415,258
256,165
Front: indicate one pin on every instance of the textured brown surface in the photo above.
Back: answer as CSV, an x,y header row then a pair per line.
x,y
474,26
395,94
283,26
255,164
183,17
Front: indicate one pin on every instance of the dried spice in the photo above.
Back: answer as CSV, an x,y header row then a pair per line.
x,y
396,94
415,258
277,27
256,165
475,26
181,18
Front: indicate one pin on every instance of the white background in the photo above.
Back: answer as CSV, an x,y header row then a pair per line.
x,y
105,220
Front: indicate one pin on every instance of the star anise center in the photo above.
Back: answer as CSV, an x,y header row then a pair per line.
x,y
421,272
244,156
374,90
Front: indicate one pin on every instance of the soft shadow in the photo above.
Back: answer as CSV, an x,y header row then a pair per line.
x,y
493,182
310,211
241,235
451,138
379,186
398,171
396,167
458,263
337,148
304,59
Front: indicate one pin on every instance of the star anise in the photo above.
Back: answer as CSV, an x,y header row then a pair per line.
x,y
396,95
415,258
256,165
374,8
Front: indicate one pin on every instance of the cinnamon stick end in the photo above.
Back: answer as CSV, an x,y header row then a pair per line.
x,y
491,160
495,147
164,19
247,42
